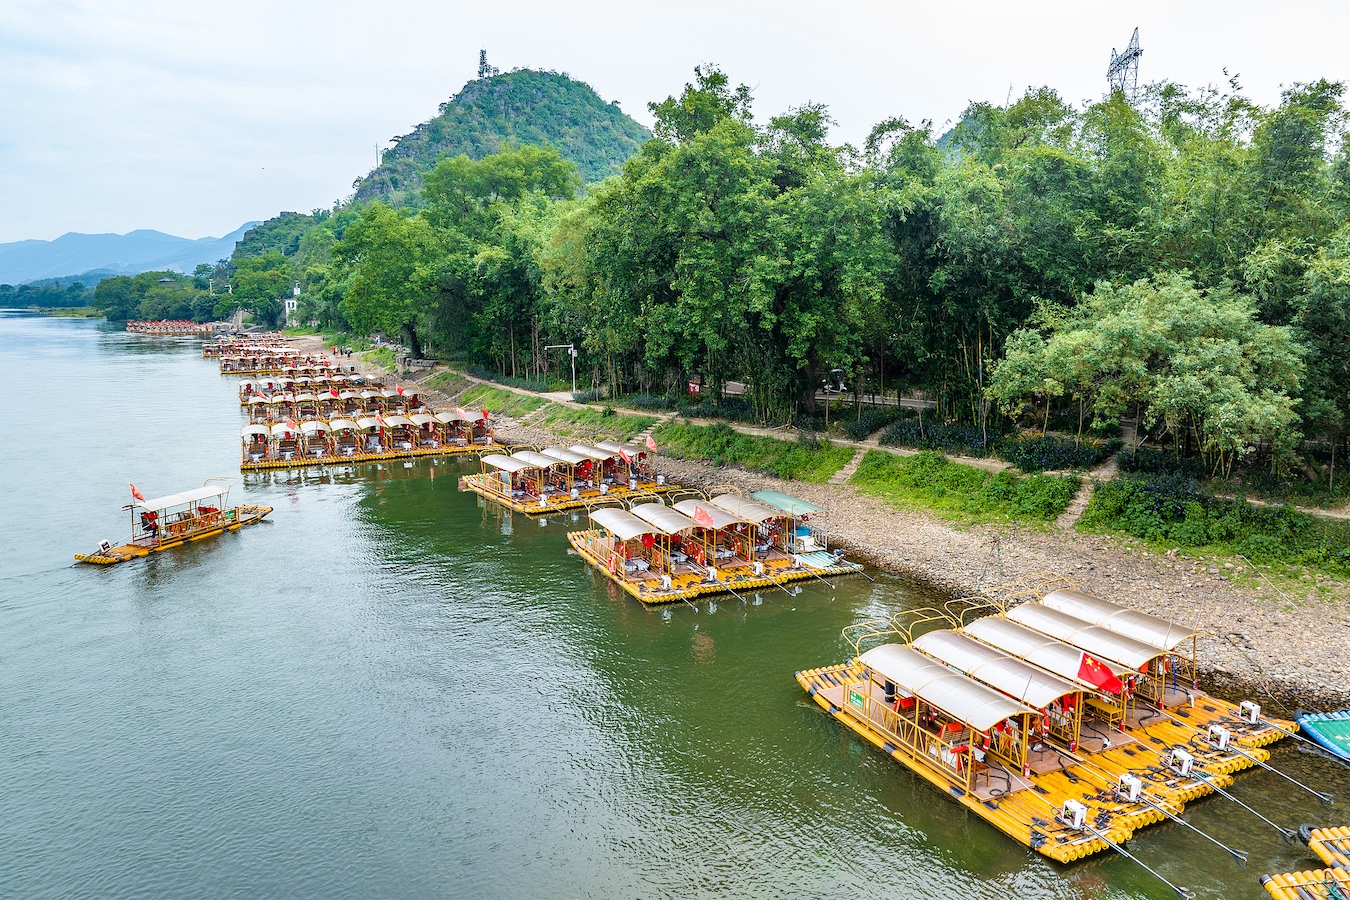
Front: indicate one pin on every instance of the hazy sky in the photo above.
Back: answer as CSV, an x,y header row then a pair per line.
x,y
193,117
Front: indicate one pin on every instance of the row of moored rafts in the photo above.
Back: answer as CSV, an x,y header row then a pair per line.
x,y
1066,721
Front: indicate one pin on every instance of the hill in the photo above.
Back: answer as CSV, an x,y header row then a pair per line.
x,y
523,107
121,254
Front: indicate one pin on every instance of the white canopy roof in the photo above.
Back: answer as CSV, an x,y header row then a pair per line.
x,y
1049,653
196,495
751,510
562,455
789,504
284,430
721,518
366,423
470,415
257,400
1102,643
590,452
535,460
1021,680
506,463
621,523
347,395
313,427
1146,629
342,425
666,520
452,416
255,431
300,397
422,419
959,696
633,450
394,421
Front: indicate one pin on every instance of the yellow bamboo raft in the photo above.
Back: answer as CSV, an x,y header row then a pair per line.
x,y
1332,845
485,485
691,586
228,520
1318,884
298,462
1065,721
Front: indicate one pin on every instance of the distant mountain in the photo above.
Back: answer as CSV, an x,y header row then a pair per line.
x,y
117,254
522,107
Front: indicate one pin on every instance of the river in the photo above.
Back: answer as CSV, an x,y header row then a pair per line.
x,y
390,690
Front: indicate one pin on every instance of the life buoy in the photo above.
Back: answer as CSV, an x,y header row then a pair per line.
x,y
1045,724
613,564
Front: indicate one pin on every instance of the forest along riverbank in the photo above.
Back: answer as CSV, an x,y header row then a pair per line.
x,y
1284,654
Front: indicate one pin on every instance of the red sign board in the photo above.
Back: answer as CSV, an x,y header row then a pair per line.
x,y
695,387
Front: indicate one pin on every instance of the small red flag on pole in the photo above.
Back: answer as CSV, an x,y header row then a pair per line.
x,y
485,414
701,517
628,460
136,494
651,444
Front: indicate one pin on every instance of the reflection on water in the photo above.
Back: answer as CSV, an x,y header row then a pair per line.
x,y
392,689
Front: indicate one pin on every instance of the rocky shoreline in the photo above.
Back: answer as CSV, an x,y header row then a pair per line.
x,y
1284,653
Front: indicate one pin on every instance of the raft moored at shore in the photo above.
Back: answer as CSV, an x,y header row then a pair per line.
x,y
1332,846
699,547
562,478
1063,733
176,519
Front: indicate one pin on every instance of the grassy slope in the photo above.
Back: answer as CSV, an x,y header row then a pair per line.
x,y
721,445
588,424
963,493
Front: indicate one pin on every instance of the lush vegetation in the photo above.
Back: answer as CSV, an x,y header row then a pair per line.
x,y
497,111
806,459
587,423
932,481
50,294
159,295
1174,511
1181,262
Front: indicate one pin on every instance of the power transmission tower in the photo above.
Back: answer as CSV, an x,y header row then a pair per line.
x,y
1123,73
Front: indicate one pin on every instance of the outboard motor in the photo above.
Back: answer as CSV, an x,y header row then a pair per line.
x,y
1249,712
1073,814
1179,761
1130,787
1219,737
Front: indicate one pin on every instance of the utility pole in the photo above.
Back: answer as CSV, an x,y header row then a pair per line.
x,y
572,352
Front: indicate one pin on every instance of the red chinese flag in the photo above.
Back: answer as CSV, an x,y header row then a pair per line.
x,y
1095,673
399,388
648,541
136,494
701,517
333,391
628,460
485,414
651,444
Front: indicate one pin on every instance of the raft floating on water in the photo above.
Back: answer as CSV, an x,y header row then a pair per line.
x,y
1330,730
174,520
1066,734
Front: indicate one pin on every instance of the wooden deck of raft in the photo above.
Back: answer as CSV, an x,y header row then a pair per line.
x,y
1332,846
1025,808
483,484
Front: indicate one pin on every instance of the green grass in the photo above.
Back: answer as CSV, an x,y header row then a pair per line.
x,y
930,481
592,423
383,357
790,460
450,382
500,401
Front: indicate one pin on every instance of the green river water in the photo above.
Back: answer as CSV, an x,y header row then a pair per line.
x,y
389,690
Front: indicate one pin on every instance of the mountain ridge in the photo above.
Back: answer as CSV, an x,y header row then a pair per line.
x,y
139,250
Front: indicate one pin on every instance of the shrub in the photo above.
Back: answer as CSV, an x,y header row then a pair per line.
x,y
872,421
1177,510
1040,453
957,437
933,481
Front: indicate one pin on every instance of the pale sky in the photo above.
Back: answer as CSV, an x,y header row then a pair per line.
x,y
193,117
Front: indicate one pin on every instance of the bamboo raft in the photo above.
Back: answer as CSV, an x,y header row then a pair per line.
x,y
299,461
1069,759
174,520
1332,846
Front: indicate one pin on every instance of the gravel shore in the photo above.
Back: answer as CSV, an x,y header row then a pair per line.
x,y
1286,654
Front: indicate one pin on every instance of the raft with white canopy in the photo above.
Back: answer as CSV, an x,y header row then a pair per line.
x,y
175,519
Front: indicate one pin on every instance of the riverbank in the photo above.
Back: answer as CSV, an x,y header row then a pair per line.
x,y
1263,642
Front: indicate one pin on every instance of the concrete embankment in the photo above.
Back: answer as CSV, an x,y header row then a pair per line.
x,y
1260,643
